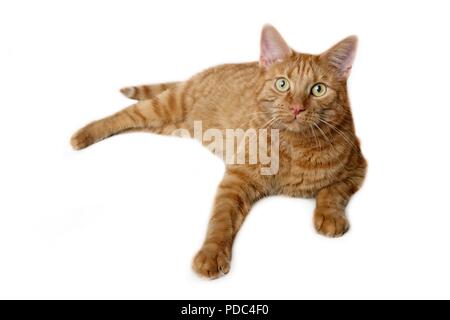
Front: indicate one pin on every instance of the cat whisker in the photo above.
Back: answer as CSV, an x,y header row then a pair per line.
x,y
329,141
269,123
322,133
254,117
315,136
339,132
258,112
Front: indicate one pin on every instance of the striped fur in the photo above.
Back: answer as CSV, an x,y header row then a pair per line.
x,y
148,91
319,153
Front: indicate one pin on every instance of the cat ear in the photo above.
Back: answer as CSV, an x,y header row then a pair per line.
x,y
273,47
340,57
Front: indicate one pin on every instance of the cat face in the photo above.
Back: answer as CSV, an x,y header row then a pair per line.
x,y
301,91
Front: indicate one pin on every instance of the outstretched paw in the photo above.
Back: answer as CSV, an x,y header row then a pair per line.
x,y
331,222
211,262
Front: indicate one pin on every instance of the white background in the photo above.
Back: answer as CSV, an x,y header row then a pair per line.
x,y
123,218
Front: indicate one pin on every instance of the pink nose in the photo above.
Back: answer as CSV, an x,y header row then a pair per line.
x,y
296,109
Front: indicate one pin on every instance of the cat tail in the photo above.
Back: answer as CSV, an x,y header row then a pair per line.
x,y
149,91
162,114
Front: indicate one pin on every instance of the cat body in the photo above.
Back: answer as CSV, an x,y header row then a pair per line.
x,y
303,97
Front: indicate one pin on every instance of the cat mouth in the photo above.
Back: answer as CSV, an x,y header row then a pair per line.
x,y
297,123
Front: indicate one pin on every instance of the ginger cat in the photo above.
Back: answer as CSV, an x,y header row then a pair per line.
x,y
301,96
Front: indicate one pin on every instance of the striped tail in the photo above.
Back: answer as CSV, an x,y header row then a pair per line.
x,y
146,92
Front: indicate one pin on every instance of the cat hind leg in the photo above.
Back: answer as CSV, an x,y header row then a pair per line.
x,y
162,114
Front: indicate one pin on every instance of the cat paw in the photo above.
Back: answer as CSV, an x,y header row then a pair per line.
x,y
211,262
331,222
81,139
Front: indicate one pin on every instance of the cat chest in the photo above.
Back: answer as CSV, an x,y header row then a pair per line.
x,y
305,173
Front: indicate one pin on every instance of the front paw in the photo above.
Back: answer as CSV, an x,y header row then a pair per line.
x,y
212,261
331,222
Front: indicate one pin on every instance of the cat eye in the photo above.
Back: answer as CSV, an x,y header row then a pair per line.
x,y
318,90
282,84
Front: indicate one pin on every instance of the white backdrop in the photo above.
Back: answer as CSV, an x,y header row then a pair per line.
x,y
123,218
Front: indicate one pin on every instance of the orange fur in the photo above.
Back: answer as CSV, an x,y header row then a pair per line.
x,y
145,92
319,153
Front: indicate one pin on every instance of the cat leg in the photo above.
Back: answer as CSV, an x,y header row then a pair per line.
x,y
235,196
331,201
160,115
149,91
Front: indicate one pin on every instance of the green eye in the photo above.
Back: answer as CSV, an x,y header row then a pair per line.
x,y
318,90
282,84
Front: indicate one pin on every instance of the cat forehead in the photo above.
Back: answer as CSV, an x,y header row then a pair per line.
x,y
299,65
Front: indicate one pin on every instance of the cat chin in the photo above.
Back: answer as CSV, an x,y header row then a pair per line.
x,y
295,126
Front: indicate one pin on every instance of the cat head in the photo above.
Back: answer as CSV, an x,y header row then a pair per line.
x,y
303,90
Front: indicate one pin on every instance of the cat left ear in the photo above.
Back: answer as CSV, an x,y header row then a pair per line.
x,y
341,56
273,47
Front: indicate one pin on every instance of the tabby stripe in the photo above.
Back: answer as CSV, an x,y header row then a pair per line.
x,y
165,110
256,187
140,115
145,92
236,189
302,66
184,92
333,162
171,102
179,104
127,113
156,106
234,198
306,69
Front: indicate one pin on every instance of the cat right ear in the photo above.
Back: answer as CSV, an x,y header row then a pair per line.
x,y
273,47
340,57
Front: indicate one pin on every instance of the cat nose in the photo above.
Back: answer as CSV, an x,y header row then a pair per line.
x,y
296,109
